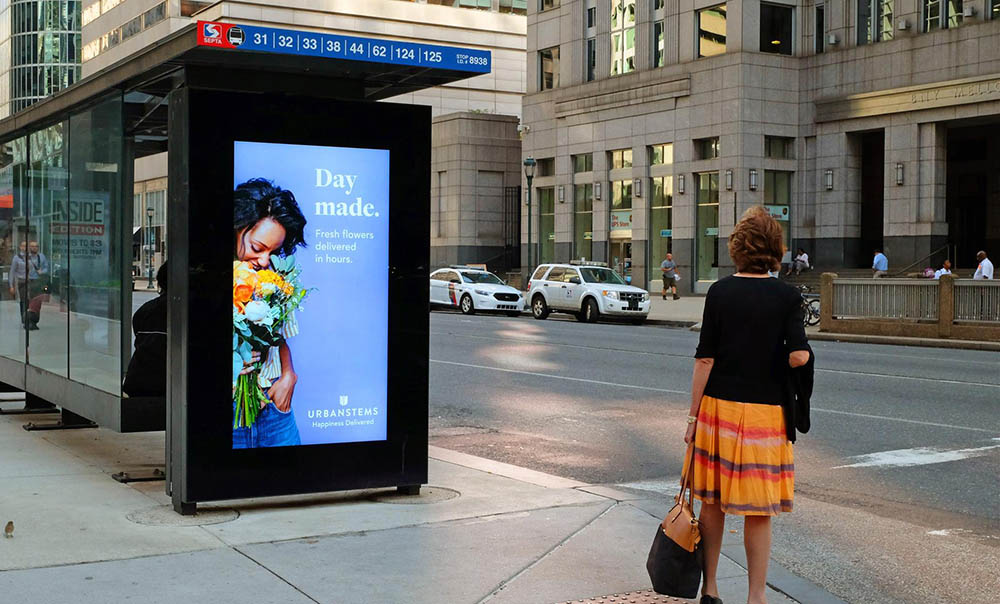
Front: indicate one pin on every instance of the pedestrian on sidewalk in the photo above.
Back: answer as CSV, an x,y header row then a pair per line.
x,y
880,265
752,336
669,269
985,268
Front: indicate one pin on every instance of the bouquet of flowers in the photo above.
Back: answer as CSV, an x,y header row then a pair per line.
x,y
264,305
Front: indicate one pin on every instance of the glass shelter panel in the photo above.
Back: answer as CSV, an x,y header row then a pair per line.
x,y
13,234
46,316
95,292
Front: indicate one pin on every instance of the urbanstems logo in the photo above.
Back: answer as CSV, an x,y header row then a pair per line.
x,y
343,400
343,416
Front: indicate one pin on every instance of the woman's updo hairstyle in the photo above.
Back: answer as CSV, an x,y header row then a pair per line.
x,y
258,199
757,242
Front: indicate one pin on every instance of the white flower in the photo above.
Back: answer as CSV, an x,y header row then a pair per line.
x,y
268,288
259,313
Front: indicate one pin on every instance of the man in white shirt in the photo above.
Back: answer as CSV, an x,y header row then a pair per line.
x,y
800,263
944,270
985,269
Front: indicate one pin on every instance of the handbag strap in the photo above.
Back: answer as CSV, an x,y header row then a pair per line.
x,y
686,484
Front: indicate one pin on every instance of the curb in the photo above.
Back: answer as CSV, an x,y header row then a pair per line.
x,y
671,323
898,341
780,579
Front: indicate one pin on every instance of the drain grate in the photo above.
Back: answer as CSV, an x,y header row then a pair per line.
x,y
647,596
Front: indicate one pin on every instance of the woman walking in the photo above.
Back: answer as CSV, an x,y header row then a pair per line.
x,y
752,334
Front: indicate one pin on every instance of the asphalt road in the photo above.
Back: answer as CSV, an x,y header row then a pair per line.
x,y
897,483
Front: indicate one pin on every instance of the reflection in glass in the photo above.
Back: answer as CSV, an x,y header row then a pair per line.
x,y
707,228
13,232
712,31
95,282
778,192
547,223
48,252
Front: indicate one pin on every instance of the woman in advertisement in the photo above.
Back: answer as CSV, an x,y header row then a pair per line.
x,y
267,226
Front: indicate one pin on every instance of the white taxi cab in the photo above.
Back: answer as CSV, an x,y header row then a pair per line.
x,y
470,289
588,290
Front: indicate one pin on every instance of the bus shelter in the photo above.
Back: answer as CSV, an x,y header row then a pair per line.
x,y
262,127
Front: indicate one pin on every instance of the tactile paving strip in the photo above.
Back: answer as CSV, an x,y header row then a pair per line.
x,y
647,596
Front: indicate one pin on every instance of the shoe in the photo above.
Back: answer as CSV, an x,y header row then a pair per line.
x,y
32,328
710,600
664,297
676,297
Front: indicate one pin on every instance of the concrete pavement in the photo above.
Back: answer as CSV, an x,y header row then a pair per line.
x,y
482,531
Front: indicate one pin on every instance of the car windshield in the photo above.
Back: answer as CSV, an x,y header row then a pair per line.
x,y
601,275
483,277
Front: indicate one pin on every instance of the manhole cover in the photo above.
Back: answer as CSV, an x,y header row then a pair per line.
x,y
165,515
427,495
647,596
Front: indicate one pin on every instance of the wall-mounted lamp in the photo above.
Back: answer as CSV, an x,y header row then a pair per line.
x,y
637,187
902,25
597,191
828,179
899,173
729,179
753,179
968,11
832,40
680,184
562,194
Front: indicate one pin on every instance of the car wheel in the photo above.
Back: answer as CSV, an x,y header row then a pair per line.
x,y
580,316
590,311
539,309
466,305
513,313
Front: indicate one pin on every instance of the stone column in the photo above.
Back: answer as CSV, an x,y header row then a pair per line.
x,y
915,222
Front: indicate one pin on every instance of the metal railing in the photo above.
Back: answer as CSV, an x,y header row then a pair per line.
x,y
886,299
977,300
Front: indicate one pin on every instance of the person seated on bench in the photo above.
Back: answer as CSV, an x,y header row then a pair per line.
x,y
147,370
34,311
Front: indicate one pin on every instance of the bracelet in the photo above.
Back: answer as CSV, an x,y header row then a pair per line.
x,y
692,419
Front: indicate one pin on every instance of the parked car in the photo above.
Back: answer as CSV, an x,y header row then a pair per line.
x,y
470,289
587,290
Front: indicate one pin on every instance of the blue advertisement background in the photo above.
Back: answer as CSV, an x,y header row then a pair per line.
x,y
342,345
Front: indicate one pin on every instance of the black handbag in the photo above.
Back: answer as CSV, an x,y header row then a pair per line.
x,y
675,559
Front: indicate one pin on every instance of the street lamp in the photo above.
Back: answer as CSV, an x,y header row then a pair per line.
x,y
529,174
149,246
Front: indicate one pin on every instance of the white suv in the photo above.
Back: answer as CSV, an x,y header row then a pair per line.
x,y
586,290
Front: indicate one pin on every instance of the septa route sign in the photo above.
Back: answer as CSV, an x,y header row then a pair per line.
x,y
309,43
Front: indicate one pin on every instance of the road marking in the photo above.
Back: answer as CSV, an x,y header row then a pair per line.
x,y
921,456
633,386
561,377
907,377
905,421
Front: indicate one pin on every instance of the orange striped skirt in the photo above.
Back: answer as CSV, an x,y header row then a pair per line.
x,y
742,458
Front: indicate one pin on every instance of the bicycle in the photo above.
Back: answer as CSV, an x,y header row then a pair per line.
x,y
810,306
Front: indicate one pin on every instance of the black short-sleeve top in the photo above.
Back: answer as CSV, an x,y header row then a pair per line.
x,y
749,327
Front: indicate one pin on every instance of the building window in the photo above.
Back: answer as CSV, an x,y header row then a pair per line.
x,y
776,29
591,17
583,162
622,36
707,227
547,4
545,167
661,223
621,195
707,148
820,34
659,58
994,9
942,14
514,7
547,223
583,221
779,147
548,60
712,31
778,199
621,158
661,154
874,21
591,59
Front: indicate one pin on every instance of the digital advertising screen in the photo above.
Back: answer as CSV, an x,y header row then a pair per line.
x,y
310,294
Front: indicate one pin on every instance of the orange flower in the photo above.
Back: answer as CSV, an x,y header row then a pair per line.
x,y
242,293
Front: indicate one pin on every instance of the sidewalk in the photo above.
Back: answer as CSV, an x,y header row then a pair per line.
x,y
482,532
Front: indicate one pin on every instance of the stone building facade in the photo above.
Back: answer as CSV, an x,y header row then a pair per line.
x,y
467,230
860,125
